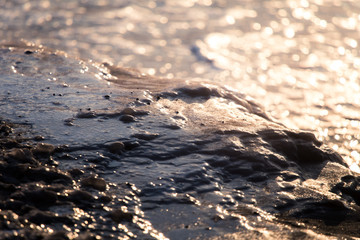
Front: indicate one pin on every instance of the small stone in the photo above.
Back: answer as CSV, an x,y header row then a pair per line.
x,y
128,111
21,155
116,147
47,217
43,148
129,145
89,114
47,175
76,172
119,215
69,122
127,118
80,196
146,136
39,138
42,197
105,198
28,52
94,182
107,97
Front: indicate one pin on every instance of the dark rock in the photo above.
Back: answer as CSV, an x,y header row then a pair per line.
x,y
89,114
116,147
10,143
129,145
88,236
9,220
119,215
80,196
47,175
94,182
76,172
5,130
7,187
146,136
127,118
39,138
42,197
44,149
61,235
258,177
46,217
13,174
22,155
105,198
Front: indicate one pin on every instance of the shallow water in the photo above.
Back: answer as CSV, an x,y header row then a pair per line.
x,y
181,160
299,59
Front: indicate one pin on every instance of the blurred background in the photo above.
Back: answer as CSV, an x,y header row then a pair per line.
x,y
298,58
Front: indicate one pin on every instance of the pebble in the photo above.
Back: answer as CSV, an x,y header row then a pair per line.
x,y
90,114
42,197
146,136
94,182
128,111
39,138
21,155
76,172
80,196
127,118
119,215
43,148
47,175
116,147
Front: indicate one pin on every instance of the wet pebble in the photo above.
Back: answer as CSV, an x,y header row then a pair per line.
x,y
41,198
94,182
127,118
46,217
10,143
39,138
43,148
105,198
132,112
61,235
129,145
9,220
69,122
116,147
5,130
47,175
119,215
146,136
76,172
21,155
80,196
89,114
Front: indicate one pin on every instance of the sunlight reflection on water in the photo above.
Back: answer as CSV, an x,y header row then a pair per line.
x,y
298,58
